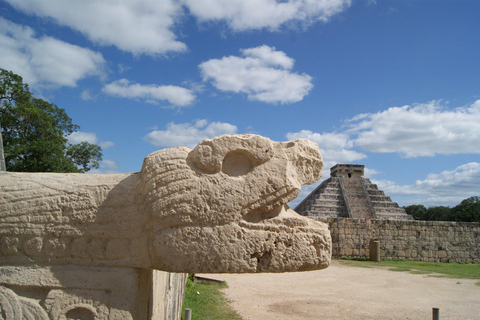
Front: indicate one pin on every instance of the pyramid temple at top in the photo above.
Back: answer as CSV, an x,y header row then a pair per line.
x,y
348,194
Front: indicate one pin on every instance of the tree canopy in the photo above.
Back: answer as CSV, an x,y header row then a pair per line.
x,y
34,132
468,210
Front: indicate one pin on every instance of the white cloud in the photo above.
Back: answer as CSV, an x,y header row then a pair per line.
x,y
413,131
447,188
106,144
262,73
329,140
139,27
123,68
420,130
335,147
243,15
90,137
106,167
332,156
188,134
77,137
370,172
269,56
177,96
149,26
45,61
87,95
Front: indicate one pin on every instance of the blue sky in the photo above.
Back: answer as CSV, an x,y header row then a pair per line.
x,y
392,85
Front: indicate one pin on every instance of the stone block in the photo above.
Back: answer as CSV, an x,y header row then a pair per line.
x,y
81,292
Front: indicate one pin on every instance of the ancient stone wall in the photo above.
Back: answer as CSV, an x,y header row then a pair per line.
x,y
429,241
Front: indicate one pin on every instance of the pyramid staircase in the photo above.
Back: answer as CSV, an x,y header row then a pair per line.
x,y
347,194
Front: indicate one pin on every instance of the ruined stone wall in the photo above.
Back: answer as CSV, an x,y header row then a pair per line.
x,y
429,241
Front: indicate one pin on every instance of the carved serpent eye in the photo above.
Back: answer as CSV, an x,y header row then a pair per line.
x,y
235,155
237,163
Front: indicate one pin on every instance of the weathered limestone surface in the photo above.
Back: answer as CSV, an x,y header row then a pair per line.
x,y
220,207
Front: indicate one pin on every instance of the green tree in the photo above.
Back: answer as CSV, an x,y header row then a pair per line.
x,y
82,154
34,133
418,211
467,210
440,213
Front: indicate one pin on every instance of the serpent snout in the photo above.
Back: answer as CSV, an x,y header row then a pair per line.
x,y
307,160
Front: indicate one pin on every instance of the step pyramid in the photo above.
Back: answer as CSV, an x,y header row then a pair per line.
x,y
348,194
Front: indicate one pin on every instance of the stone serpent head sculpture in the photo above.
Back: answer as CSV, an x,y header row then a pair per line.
x,y
220,207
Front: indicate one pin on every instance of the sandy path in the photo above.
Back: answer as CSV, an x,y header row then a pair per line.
x,y
342,292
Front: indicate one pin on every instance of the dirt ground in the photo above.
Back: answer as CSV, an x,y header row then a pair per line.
x,y
344,292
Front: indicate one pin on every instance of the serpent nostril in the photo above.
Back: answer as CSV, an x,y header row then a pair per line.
x,y
259,215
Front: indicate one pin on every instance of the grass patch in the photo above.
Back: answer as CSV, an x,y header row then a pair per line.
x,y
356,264
400,269
207,301
420,272
449,270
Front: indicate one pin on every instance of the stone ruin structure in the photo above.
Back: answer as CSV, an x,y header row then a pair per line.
x,y
358,213
90,246
348,194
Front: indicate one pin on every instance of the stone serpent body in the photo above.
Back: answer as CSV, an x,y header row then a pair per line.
x,y
220,207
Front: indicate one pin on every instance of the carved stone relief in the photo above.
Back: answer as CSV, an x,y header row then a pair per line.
x,y
221,207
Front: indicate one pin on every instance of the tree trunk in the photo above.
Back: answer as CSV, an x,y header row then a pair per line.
x,y
2,157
